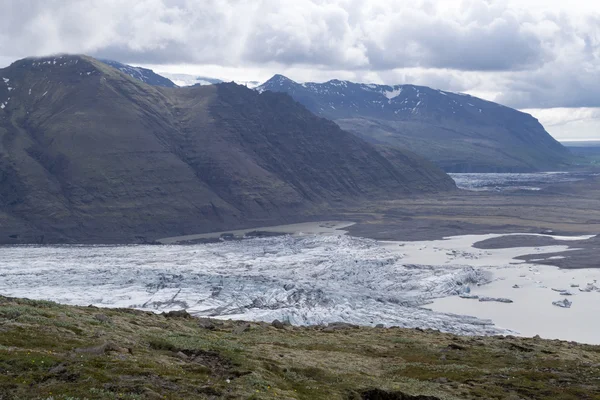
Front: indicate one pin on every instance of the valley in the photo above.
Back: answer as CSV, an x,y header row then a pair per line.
x,y
219,203
395,260
301,200
316,313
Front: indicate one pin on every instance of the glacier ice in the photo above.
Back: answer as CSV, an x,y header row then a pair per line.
x,y
310,279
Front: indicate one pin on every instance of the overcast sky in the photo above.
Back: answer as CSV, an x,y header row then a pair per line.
x,y
542,56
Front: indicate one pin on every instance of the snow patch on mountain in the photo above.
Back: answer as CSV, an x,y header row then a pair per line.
x,y
60,61
336,82
343,99
393,93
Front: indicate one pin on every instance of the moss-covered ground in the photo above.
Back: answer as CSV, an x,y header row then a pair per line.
x,y
50,351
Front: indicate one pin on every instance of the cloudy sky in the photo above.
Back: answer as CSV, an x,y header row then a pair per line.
x,y
541,56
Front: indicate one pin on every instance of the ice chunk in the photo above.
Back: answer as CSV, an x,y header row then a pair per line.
x,y
589,288
562,303
496,299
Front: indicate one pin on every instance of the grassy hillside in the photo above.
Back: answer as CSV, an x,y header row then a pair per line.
x,y
49,351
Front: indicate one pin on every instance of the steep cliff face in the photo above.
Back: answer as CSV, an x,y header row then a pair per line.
x,y
88,153
460,133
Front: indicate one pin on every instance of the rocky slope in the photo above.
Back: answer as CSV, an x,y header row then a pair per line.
x,y
48,351
458,132
88,153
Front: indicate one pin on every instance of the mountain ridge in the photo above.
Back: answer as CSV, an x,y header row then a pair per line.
x,y
91,154
459,132
143,74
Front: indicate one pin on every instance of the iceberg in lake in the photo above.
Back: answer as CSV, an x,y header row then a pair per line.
x,y
496,299
565,303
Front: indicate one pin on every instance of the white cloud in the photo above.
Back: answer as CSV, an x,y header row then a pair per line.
x,y
473,36
340,34
569,123
523,53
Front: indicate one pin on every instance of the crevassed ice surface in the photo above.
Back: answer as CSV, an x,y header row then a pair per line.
x,y
513,181
306,280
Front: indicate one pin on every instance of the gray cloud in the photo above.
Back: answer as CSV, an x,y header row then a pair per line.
x,y
306,33
569,80
526,59
349,33
485,38
161,31
380,35
569,123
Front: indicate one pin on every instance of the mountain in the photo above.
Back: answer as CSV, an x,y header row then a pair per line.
x,y
195,80
166,79
142,74
190,80
248,84
90,154
458,132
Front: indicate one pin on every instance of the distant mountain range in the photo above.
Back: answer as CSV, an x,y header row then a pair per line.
x,y
190,80
91,153
194,80
166,79
459,132
142,74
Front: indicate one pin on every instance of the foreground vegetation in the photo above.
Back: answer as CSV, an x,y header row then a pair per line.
x,y
50,351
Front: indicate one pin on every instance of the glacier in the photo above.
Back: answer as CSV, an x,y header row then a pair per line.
x,y
308,279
